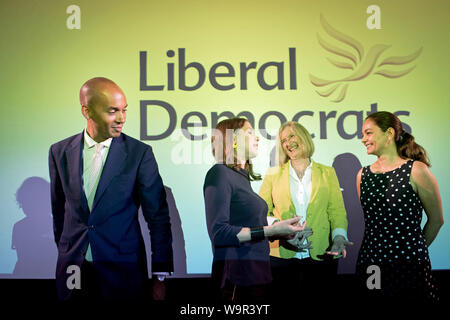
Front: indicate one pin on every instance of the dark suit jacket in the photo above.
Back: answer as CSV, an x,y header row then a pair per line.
x,y
130,179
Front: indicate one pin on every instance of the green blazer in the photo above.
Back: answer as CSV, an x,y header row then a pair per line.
x,y
325,212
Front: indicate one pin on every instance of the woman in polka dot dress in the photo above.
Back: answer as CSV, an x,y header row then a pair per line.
x,y
394,191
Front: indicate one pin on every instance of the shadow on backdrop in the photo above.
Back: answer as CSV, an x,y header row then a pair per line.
x,y
178,244
32,237
347,166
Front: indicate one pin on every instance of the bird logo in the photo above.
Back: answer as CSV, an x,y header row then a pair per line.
x,y
354,58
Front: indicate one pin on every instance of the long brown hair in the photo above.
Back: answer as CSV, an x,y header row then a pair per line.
x,y
222,145
407,148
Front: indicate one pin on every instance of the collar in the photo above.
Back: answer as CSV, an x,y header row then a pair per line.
x,y
89,142
241,171
308,170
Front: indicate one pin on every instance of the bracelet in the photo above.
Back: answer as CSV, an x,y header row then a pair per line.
x,y
257,233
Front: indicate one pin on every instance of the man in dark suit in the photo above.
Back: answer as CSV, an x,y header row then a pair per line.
x,y
99,179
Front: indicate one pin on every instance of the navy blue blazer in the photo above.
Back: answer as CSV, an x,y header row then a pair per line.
x,y
130,179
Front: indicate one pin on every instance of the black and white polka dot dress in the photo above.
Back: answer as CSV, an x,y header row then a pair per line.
x,y
393,238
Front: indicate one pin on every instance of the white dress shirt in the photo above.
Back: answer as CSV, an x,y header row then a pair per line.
x,y
300,194
88,153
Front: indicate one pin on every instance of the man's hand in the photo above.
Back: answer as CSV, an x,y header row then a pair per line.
x,y
158,289
338,247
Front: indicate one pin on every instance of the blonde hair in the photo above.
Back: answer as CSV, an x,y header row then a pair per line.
x,y
301,133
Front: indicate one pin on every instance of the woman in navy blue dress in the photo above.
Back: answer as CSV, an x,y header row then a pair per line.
x,y
236,216
394,191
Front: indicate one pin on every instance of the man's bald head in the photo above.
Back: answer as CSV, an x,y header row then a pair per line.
x,y
97,88
104,105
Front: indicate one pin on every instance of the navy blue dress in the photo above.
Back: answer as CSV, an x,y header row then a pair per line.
x,y
393,238
230,205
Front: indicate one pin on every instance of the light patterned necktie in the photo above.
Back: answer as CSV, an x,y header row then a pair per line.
x,y
94,170
96,166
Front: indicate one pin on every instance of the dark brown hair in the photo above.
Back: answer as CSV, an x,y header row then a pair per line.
x,y
222,145
407,148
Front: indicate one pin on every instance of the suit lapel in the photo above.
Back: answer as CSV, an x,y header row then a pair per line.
x,y
75,170
113,166
285,178
315,174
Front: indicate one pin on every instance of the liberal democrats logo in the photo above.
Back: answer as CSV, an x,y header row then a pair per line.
x,y
362,64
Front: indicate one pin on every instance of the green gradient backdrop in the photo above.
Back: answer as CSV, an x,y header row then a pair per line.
x,y
43,65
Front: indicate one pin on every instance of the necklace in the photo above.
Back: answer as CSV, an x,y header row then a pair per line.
x,y
381,169
301,172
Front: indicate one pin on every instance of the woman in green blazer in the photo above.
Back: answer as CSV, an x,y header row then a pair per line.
x,y
301,187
